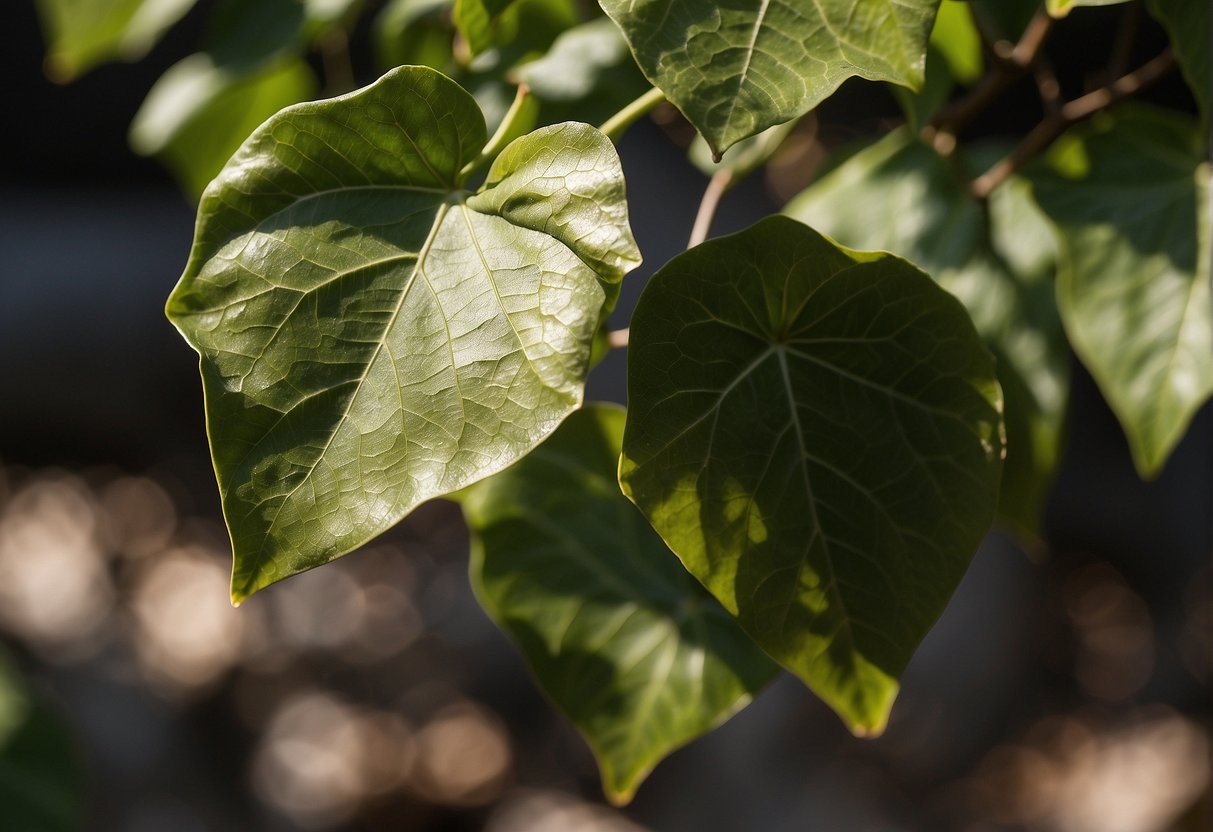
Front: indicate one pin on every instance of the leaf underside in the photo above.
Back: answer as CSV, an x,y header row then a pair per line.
x,y
371,336
620,637
736,69
816,433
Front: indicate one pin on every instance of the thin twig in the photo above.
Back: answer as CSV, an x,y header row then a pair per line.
x,y
1048,87
1011,62
1045,133
717,185
1122,48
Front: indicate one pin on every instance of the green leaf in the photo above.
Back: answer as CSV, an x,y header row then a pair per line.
x,y
81,34
899,195
736,69
816,433
959,43
41,784
1129,195
417,32
744,157
1187,23
198,113
372,336
1061,8
588,74
476,20
618,635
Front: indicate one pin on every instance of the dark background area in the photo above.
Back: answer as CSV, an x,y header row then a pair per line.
x,y
1061,683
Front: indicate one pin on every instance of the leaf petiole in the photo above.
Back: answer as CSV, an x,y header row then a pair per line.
x,y
615,126
517,121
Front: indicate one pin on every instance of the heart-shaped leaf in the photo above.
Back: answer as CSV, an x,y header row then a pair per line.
x,y
736,69
816,433
371,336
622,639
1129,194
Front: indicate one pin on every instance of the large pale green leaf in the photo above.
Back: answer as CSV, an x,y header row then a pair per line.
x,y
371,335
816,433
738,68
618,634
198,113
41,784
898,195
83,33
1129,194
1188,24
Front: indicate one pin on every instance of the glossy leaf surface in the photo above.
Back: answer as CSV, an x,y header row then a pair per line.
x,y
620,637
83,33
816,433
1130,197
898,195
736,69
371,336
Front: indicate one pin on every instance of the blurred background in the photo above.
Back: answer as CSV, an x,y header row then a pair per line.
x,y
1066,688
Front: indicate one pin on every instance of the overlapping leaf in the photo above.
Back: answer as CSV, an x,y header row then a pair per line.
x,y
1130,197
1061,8
622,639
898,195
816,433
371,336
736,69
83,33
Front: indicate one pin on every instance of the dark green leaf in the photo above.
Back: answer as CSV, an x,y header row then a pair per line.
x,y
371,336
83,33
899,195
476,20
736,69
41,785
622,639
1187,22
198,114
416,32
1129,194
816,433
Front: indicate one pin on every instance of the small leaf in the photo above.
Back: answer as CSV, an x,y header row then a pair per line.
x,y
416,32
1188,25
588,74
198,113
816,433
1061,8
744,157
618,635
1129,195
476,21
736,69
899,195
959,43
371,336
81,34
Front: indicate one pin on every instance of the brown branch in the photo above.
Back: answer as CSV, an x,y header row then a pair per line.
x,y
717,185
617,339
1045,133
1010,63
